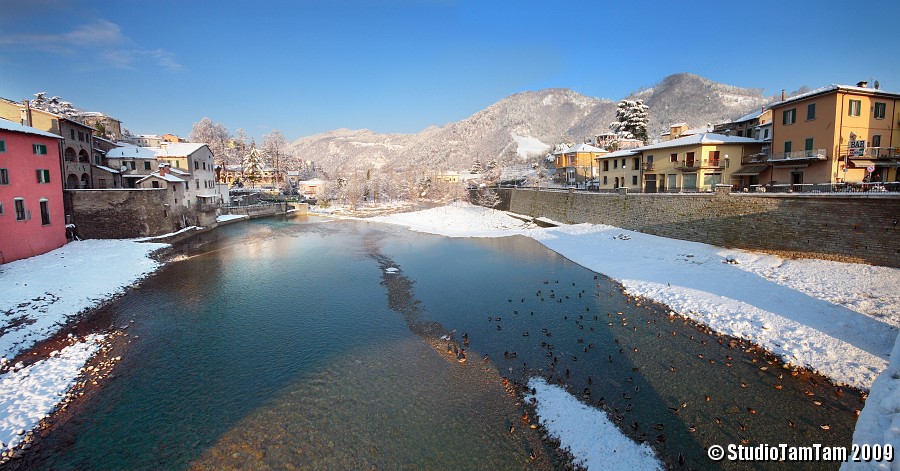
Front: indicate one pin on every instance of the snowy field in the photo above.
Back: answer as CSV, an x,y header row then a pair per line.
x,y
839,319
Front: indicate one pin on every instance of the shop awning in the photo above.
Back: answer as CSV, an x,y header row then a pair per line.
x,y
878,163
750,170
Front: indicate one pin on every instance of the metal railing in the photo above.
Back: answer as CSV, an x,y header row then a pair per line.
x,y
874,153
852,187
818,154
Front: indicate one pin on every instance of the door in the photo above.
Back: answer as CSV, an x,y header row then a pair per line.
x,y
690,181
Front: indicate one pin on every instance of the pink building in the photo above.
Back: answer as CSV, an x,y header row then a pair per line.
x,y
32,219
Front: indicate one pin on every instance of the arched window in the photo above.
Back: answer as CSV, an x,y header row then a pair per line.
x,y
83,156
72,181
85,181
70,154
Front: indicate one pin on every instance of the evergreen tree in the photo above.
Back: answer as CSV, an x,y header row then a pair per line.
x,y
253,165
631,120
476,167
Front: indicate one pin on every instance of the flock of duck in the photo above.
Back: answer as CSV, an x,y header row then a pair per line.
x,y
581,317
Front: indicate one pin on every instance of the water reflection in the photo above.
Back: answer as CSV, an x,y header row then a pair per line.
x,y
275,343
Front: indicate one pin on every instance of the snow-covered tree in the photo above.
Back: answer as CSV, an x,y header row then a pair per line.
x,y
274,147
253,164
477,167
487,197
54,105
631,120
216,136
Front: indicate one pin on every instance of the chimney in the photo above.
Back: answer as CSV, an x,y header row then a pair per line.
x,y
862,84
163,170
26,113
782,94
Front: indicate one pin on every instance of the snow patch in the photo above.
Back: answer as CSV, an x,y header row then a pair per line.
x,y
594,441
529,146
32,393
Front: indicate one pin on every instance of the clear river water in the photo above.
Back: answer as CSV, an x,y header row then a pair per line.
x,y
287,344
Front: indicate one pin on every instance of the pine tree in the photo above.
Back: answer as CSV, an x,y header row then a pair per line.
x,y
476,167
253,165
631,120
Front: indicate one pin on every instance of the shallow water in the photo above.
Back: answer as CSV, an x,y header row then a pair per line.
x,y
280,343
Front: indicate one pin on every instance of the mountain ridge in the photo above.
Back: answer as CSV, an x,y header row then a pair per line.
x,y
516,128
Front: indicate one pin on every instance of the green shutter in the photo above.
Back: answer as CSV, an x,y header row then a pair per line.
x,y
809,144
2,146
787,146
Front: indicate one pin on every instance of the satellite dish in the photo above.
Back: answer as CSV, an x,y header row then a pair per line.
x,y
877,85
123,168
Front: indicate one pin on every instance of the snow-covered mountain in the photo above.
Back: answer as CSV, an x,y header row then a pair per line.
x,y
525,125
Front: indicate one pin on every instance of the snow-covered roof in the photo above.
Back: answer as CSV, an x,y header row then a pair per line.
x,y
177,149
621,153
102,167
835,87
678,125
583,148
314,181
167,177
748,116
212,195
13,126
703,138
178,171
131,153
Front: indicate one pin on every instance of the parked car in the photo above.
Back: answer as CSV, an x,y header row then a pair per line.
x,y
306,199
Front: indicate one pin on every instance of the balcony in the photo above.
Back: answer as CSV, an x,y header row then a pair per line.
x,y
647,166
875,153
812,154
714,163
759,158
688,165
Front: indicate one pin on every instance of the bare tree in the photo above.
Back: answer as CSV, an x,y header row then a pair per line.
x,y
274,147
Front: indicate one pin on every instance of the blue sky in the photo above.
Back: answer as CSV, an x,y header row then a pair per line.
x,y
402,65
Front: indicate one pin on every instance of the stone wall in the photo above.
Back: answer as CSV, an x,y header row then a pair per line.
x,y
256,210
127,213
858,228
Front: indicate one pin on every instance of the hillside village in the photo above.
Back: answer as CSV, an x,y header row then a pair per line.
x,y
91,172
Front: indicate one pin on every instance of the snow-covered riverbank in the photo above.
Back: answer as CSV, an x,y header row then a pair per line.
x,y
840,319
38,296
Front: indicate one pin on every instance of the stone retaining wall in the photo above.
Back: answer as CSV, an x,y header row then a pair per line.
x,y
858,228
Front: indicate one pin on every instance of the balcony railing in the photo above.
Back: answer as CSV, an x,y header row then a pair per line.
x,y
812,154
716,163
692,164
760,158
647,166
875,153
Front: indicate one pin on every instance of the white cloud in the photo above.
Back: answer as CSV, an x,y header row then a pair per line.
x,y
100,39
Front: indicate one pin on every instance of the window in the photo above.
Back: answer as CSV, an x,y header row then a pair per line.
x,y
605,166
880,110
714,157
689,157
1,208
789,116
39,149
155,184
616,163
634,180
147,165
43,176
605,180
80,136
673,158
876,140
72,133
198,183
196,165
101,183
4,176
855,108
623,163
204,165
2,145
766,134
808,145
637,163
131,164
45,213
787,146
810,111
20,209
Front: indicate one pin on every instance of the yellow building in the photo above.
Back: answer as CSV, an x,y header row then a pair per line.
x,y
619,169
577,164
696,162
812,136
